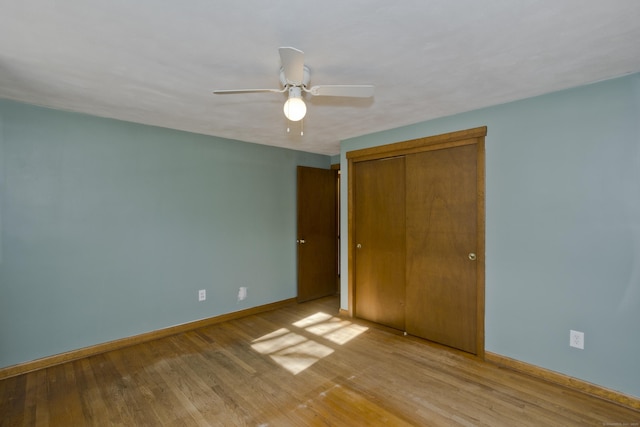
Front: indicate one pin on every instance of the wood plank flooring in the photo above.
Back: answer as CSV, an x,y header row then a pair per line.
x,y
296,366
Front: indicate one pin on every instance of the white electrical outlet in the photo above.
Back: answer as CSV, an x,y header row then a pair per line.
x,y
202,294
242,293
576,339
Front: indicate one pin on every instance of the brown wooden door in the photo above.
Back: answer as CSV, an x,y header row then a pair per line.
x,y
441,240
317,233
380,241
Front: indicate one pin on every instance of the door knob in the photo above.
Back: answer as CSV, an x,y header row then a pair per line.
x,y
472,256
359,246
301,241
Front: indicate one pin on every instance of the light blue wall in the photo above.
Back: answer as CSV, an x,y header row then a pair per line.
x,y
562,227
108,229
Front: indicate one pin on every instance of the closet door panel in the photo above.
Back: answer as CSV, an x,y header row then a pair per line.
x,y
380,241
441,225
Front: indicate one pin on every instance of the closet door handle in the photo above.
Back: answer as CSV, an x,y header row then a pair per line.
x,y
358,246
472,256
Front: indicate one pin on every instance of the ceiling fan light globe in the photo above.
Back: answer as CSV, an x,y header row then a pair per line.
x,y
295,109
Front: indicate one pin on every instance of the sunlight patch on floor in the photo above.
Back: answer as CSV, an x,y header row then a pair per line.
x,y
312,320
299,357
295,352
276,341
336,330
292,351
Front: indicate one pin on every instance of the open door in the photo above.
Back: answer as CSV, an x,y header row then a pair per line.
x,y
317,233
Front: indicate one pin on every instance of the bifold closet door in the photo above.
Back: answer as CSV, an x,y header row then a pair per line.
x,y
441,221
380,241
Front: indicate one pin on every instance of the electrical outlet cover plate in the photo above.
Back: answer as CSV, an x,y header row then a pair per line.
x,y
202,295
576,339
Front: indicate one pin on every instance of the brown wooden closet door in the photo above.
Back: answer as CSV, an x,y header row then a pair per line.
x,y
380,241
441,235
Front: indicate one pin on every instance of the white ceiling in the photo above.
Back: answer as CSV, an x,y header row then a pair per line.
x,y
157,61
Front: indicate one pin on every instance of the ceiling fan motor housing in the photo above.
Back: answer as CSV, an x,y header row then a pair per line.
x,y
305,78
295,92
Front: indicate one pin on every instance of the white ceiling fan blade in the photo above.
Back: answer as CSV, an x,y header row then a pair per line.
x,y
234,91
292,64
353,91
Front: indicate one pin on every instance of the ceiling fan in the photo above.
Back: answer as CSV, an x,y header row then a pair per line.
x,y
294,78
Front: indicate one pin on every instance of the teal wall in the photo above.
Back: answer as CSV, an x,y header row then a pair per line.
x,y
562,227
108,229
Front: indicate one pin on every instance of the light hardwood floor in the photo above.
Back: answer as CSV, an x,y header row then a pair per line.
x,y
301,366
